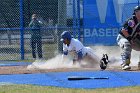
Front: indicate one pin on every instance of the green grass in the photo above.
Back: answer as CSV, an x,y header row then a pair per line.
x,y
44,89
12,52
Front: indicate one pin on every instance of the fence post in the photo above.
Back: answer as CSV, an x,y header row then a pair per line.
x,y
78,18
74,19
21,30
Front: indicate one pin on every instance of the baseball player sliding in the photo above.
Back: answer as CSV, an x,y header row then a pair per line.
x,y
75,47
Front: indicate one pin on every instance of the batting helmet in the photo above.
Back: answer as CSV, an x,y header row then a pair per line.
x,y
65,35
136,8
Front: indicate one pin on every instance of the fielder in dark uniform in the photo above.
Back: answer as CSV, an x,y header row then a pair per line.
x,y
36,36
125,39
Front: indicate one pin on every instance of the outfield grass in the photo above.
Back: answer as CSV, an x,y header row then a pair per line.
x,y
44,89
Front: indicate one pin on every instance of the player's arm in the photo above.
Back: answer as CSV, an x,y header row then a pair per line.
x,y
128,24
65,53
41,23
31,24
125,33
65,49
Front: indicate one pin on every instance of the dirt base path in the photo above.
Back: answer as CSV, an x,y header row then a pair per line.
x,y
23,70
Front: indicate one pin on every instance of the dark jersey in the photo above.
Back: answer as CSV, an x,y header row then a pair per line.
x,y
129,26
35,28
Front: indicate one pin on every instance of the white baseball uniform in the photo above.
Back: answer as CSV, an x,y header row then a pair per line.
x,y
75,46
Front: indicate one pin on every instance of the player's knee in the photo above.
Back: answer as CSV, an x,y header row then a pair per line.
x,y
127,47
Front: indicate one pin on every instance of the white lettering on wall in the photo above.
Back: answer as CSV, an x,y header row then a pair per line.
x,y
101,32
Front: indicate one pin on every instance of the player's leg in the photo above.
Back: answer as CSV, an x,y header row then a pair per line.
x,y
33,46
39,48
126,52
90,54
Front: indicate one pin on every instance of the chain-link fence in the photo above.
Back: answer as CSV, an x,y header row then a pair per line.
x,y
55,16
16,37
128,9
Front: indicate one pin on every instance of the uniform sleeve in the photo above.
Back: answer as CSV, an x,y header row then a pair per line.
x,y
125,25
41,23
31,23
129,24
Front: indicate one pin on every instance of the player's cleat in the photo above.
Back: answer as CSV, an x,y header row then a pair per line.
x,y
104,61
102,65
126,67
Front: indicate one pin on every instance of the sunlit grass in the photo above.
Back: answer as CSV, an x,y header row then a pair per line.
x,y
48,89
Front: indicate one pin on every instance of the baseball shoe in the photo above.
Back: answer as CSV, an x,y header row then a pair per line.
x,y
103,65
126,67
104,61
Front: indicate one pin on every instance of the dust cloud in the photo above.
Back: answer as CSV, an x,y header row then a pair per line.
x,y
53,63
112,51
